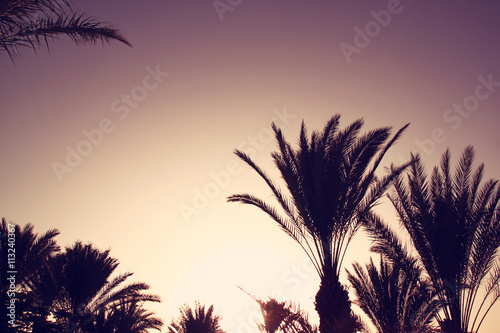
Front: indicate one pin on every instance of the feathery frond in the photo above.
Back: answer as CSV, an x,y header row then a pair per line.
x,y
197,320
32,23
454,225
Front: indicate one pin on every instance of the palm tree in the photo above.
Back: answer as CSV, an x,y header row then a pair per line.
x,y
453,221
81,297
332,184
69,291
282,316
32,253
395,298
198,320
31,23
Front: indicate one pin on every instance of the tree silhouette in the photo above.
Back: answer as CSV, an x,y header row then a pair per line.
x,y
32,252
198,320
31,23
282,316
332,184
77,289
69,291
395,298
453,221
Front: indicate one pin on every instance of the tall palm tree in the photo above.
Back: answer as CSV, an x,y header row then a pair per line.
x,y
198,320
333,186
453,221
31,23
395,298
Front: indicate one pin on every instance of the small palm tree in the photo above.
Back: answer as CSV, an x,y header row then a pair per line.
x,y
80,296
31,23
453,221
332,184
69,291
198,320
31,252
282,316
395,299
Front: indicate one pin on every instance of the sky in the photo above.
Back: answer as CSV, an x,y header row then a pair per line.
x,y
132,148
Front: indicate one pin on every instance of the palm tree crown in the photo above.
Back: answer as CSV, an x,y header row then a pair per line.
x,y
70,291
79,292
395,297
282,316
453,221
198,320
333,186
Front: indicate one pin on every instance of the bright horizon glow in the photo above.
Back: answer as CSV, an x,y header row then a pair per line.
x,y
227,81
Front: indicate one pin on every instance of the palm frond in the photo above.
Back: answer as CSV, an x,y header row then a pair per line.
x,y
294,230
31,24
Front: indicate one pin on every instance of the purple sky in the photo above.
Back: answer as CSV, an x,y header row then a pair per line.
x,y
137,189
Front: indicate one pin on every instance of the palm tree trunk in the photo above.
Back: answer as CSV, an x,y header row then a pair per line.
x,y
450,326
334,308
453,324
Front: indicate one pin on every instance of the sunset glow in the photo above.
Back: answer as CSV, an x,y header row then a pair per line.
x,y
132,149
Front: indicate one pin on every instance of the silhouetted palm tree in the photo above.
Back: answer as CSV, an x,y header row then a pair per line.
x,y
454,223
332,184
283,317
198,320
69,291
31,250
31,23
76,288
31,253
395,299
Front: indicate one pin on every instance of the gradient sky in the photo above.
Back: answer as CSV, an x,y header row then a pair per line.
x,y
230,76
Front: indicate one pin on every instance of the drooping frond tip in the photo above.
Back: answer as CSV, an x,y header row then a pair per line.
x,y
32,23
